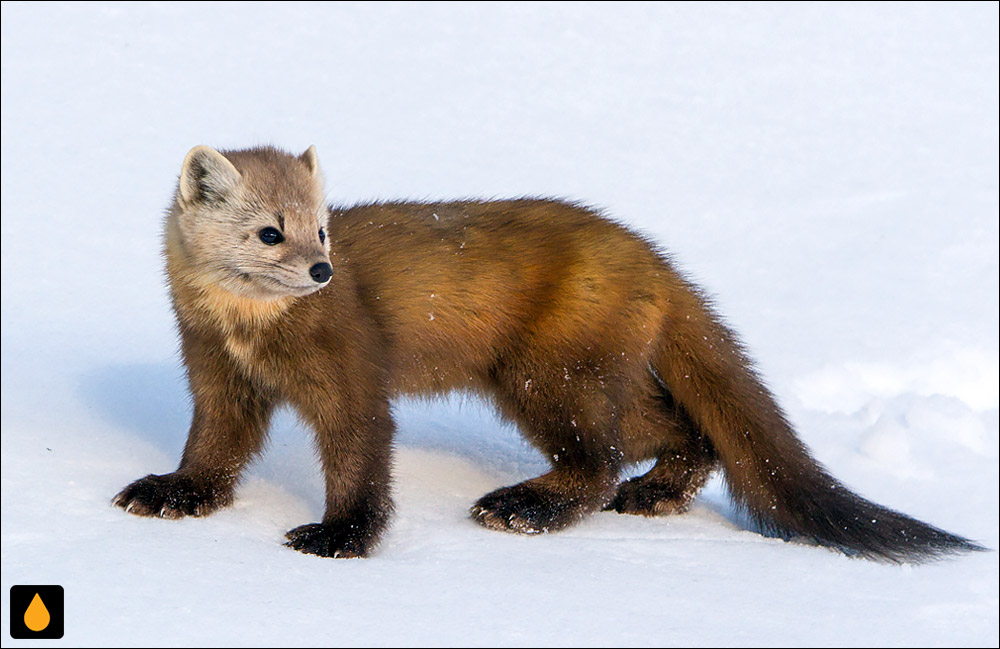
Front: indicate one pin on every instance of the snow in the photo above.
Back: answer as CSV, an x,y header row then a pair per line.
x,y
827,172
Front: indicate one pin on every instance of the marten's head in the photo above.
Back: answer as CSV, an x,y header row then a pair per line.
x,y
252,222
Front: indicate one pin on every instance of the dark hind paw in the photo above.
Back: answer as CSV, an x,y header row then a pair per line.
x,y
336,541
525,509
171,496
648,498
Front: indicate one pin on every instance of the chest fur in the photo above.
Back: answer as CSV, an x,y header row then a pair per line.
x,y
245,326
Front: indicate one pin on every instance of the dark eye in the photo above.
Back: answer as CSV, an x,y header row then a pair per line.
x,y
322,236
270,236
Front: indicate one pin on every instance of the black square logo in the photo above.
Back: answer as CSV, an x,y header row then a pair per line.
x,y
36,612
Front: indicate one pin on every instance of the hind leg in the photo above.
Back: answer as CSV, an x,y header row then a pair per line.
x,y
573,422
544,504
668,488
684,459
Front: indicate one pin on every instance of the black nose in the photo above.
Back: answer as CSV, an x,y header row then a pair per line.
x,y
321,272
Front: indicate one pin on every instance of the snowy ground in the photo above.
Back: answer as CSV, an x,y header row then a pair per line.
x,y
829,173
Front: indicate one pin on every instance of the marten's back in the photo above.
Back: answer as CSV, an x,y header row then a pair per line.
x,y
456,284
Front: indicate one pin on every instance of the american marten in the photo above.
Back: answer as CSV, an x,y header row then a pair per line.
x,y
577,328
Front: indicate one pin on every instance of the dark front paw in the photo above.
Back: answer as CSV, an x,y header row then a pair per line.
x,y
173,495
330,540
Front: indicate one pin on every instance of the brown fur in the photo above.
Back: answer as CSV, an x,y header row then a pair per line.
x,y
574,326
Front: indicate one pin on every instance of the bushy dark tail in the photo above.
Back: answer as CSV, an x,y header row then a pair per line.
x,y
768,470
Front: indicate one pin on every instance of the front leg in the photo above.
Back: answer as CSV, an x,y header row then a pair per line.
x,y
354,431
231,415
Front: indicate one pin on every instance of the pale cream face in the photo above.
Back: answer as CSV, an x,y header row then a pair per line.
x,y
253,233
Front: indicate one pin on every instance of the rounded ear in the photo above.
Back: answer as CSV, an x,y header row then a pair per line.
x,y
311,162
206,175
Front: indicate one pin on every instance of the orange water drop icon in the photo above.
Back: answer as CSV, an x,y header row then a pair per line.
x,y
37,616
